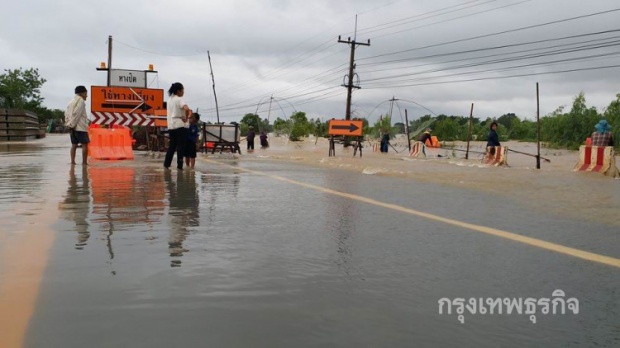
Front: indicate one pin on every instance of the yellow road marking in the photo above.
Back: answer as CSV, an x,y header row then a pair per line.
x,y
23,263
558,248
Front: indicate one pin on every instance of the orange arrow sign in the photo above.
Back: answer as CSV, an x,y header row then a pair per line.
x,y
344,127
125,99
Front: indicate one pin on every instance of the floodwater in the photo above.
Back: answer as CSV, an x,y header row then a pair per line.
x,y
252,253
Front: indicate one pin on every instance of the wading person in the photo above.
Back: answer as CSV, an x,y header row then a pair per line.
x,y
250,139
426,136
178,112
263,140
493,139
192,138
77,123
385,142
603,135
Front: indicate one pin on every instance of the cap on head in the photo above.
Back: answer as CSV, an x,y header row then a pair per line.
x,y
80,89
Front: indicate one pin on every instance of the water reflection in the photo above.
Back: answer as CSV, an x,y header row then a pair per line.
x,y
215,186
184,211
124,197
76,203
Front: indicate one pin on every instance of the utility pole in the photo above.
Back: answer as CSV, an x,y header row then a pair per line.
x,y
537,127
217,109
109,58
350,84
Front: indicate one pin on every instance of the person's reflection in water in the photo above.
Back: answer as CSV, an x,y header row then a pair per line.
x,y
183,212
77,202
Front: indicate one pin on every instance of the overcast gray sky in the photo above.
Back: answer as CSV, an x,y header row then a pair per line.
x,y
289,50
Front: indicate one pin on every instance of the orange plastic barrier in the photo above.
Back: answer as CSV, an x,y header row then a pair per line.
x,y
433,143
599,159
110,144
417,150
500,158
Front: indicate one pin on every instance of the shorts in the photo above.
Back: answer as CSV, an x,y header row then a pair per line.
x,y
79,137
190,149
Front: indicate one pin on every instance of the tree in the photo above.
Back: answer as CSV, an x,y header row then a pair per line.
x,y
250,120
20,89
281,126
300,127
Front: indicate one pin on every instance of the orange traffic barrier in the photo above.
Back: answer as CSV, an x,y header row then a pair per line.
x,y
110,144
499,158
418,150
433,143
599,159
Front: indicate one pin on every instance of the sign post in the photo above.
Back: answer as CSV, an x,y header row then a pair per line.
x,y
345,128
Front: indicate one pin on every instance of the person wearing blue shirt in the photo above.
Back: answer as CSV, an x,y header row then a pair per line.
x,y
192,138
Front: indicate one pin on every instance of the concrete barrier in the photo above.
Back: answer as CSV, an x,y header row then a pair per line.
x,y
598,159
418,149
500,158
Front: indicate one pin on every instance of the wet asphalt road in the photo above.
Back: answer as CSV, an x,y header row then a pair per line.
x,y
223,257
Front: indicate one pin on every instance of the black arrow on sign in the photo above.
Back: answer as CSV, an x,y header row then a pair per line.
x,y
352,127
143,106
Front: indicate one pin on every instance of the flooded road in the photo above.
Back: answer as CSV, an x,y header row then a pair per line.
x,y
257,253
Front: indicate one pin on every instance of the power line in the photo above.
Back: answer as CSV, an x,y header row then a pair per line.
x,y
452,19
497,61
501,77
496,33
493,48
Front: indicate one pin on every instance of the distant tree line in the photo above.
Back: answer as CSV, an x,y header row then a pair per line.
x,y
20,89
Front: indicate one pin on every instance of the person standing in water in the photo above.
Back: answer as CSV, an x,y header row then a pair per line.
x,y
178,112
76,121
192,137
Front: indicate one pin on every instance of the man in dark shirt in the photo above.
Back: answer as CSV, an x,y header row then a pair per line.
x,y
250,138
426,136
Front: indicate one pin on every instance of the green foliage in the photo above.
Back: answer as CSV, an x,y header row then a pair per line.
x,y
300,126
570,129
382,126
20,89
255,121
281,126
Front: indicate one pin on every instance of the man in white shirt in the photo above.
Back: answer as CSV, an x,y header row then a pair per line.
x,y
76,121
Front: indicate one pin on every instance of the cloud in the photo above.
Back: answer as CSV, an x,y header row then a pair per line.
x,y
289,49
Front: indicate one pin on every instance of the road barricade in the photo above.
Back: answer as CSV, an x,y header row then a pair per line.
x,y
499,158
599,159
418,149
110,144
